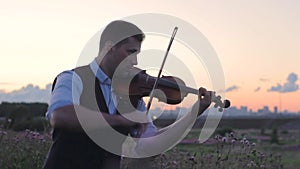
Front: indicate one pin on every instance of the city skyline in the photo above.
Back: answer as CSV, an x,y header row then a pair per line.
x,y
32,93
243,111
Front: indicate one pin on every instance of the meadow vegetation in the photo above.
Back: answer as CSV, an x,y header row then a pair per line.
x,y
25,138
237,149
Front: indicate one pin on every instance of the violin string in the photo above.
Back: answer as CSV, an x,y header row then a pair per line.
x,y
159,73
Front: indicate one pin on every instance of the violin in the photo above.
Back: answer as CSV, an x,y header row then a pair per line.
x,y
172,90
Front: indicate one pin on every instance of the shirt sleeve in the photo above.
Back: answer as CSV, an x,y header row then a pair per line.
x,y
67,91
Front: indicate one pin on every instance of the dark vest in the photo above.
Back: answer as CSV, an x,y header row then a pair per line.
x,y
75,150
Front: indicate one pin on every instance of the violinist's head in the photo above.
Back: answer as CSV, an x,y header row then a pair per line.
x,y
119,45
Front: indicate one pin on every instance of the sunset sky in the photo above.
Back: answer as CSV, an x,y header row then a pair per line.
x,y
257,43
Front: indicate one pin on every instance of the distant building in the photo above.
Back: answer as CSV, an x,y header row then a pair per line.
x,y
244,109
275,109
266,109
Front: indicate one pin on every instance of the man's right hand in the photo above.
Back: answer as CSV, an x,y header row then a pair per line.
x,y
137,121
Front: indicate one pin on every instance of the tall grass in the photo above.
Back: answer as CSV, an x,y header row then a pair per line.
x,y
28,150
224,152
23,150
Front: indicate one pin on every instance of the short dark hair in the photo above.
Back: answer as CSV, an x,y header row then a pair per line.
x,y
118,33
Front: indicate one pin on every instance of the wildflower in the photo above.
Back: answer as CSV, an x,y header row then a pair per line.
x,y
3,133
253,144
41,137
163,155
247,143
217,138
16,139
262,155
224,139
251,164
262,166
210,156
192,158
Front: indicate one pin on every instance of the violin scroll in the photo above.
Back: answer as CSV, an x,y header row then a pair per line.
x,y
218,102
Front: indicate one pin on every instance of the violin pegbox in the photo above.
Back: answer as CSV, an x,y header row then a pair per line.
x,y
218,102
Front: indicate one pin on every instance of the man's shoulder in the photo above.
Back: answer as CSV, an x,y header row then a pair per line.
x,y
83,71
66,77
84,67
75,72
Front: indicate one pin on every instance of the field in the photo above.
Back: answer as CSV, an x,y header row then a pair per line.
x,y
260,142
285,152
228,148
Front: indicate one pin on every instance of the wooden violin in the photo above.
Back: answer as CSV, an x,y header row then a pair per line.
x,y
137,84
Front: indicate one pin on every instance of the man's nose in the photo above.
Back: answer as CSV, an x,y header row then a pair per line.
x,y
133,59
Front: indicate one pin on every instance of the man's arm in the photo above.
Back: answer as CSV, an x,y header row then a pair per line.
x,y
66,118
168,136
65,112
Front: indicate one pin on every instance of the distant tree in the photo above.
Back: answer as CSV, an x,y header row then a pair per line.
x,y
33,109
39,124
21,113
24,116
222,131
262,131
274,136
284,132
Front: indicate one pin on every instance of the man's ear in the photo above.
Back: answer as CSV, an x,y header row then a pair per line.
x,y
108,45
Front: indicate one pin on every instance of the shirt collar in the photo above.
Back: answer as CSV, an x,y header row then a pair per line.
x,y
98,72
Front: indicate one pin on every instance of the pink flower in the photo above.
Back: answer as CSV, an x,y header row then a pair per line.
x,y
224,139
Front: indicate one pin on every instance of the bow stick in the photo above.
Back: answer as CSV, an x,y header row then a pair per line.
x,y
161,68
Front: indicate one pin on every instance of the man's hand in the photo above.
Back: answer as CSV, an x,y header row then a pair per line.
x,y
137,122
139,129
203,102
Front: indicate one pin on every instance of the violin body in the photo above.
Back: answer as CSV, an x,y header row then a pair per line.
x,y
139,84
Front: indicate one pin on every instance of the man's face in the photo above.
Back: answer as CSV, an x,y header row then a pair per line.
x,y
125,55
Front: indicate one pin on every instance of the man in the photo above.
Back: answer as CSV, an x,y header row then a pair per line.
x,y
82,95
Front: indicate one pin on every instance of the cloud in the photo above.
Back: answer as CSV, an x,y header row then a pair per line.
x,y
232,88
264,80
5,83
289,86
257,89
29,93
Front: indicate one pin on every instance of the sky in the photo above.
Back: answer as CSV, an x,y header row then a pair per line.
x,y
256,43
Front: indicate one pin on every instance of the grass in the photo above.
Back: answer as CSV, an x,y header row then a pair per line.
x,y
23,150
28,149
288,147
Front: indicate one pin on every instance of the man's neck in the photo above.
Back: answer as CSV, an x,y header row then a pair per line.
x,y
102,64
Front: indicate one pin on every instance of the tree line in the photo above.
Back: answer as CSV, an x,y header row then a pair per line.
x,y
22,116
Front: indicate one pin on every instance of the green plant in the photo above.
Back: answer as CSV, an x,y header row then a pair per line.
x,y
23,150
274,136
222,131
